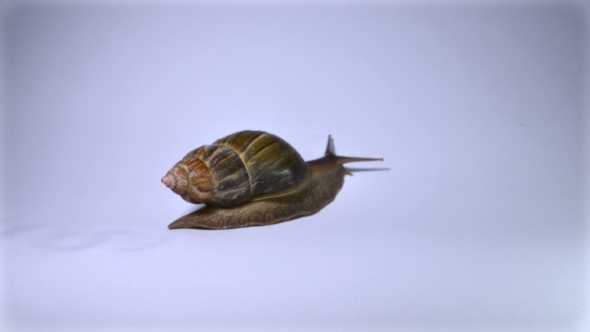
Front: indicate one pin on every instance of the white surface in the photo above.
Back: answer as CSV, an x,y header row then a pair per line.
x,y
478,112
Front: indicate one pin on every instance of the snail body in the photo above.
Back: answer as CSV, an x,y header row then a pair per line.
x,y
253,178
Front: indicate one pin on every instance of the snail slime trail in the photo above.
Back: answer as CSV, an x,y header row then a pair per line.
x,y
253,178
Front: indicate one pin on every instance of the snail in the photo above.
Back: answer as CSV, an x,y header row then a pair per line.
x,y
253,178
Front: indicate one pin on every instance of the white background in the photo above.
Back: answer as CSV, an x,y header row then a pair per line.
x,y
479,111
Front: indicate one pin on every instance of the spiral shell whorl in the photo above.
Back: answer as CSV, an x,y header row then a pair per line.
x,y
190,179
216,176
273,165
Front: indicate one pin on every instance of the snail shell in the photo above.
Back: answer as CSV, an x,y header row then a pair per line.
x,y
236,169
254,178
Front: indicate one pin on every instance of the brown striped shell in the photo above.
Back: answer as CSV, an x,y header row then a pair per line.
x,y
238,168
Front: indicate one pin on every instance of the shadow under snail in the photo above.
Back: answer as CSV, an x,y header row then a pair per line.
x,y
253,178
